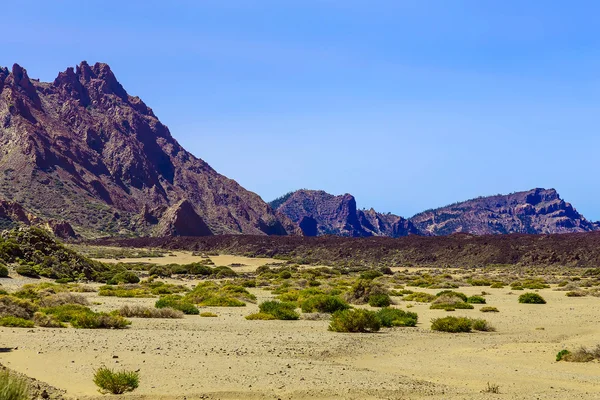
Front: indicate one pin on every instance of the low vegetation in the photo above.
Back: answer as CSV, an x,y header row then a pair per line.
x,y
13,387
355,320
148,312
582,354
531,298
116,382
460,324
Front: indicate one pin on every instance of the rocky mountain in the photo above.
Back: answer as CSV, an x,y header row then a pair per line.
x,y
13,215
82,150
534,211
319,213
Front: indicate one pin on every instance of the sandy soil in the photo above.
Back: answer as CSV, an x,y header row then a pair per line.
x,y
229,357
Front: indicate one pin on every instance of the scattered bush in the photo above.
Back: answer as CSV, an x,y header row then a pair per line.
x,y
15,307
16,322
561,354
110,381
488,309
531,298
355,320
3,270
379,300
420,297
178,303
450,302
371,274
576,293
324,303
13,387
279,310
148,312
160,270
452,293
395,317
208,315
260,316
47,321
26,270
481,325
476,300
451,324
497,285
82,317
124,277
581,355
62,298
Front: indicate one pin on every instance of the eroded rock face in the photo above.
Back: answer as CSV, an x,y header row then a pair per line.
x,y
181,220
319,213
534,211
61,229
82,150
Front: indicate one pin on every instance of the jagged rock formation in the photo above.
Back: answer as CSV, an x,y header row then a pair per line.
x,y
181,220
319,213
82,149
13,215
534,211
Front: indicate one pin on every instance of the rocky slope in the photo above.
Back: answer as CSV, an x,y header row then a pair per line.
x,y
82,149
13,215
319,213
534,211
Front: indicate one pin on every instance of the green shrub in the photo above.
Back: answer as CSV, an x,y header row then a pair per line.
x,y
160,270
355,320
488,309
13,387
82,317
379,300
452,293
47,321
110,381
497,285
208,315
178,303
124,277
371,274
451,324
531,298
3,270
450,302
280,310
16,322
481,325
324,303
395,317
26,270
147,312
260,316
420,297
476,300
561,354
222,301
16,307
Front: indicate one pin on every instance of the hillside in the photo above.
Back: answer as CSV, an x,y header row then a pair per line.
x,y
537,211
319,213
81,149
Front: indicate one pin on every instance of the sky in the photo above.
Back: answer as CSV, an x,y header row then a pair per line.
x,y
407,105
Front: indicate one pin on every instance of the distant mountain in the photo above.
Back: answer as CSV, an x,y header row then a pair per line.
x,y
533,211
81,149
319,213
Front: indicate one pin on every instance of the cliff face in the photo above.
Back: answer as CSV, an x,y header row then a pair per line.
x,y
534,211
82,149
319,213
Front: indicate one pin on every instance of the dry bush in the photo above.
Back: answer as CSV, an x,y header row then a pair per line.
x,y
148,312
583,354
47,321
15,307
62,298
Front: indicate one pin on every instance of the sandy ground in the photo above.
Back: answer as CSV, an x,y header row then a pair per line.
x,y
229,357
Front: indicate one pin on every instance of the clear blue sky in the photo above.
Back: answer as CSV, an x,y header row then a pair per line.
x,y
407,105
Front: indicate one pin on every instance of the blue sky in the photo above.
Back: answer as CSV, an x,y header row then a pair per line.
x,y
407,105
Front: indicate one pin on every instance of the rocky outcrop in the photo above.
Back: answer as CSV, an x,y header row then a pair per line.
x,y
319,213
181,220
82,150
534,211
61,229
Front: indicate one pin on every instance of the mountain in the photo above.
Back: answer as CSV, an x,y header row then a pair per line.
x,y
534,211
82,150
319,213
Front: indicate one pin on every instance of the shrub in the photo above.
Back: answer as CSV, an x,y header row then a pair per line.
x,y
148,312
16,322
3,271
561,354
280,310
26,270
452,293
451,324
481,325
160,270
260,316
531,298
420,297
355,320
47,321
497,285
13,387
576,293
124,277
178,303
476,300
379,300
15,307
222,301
395,317
371,274
450,303
324,303
362,290
208,315
82,317
488,309
62,298
110,381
